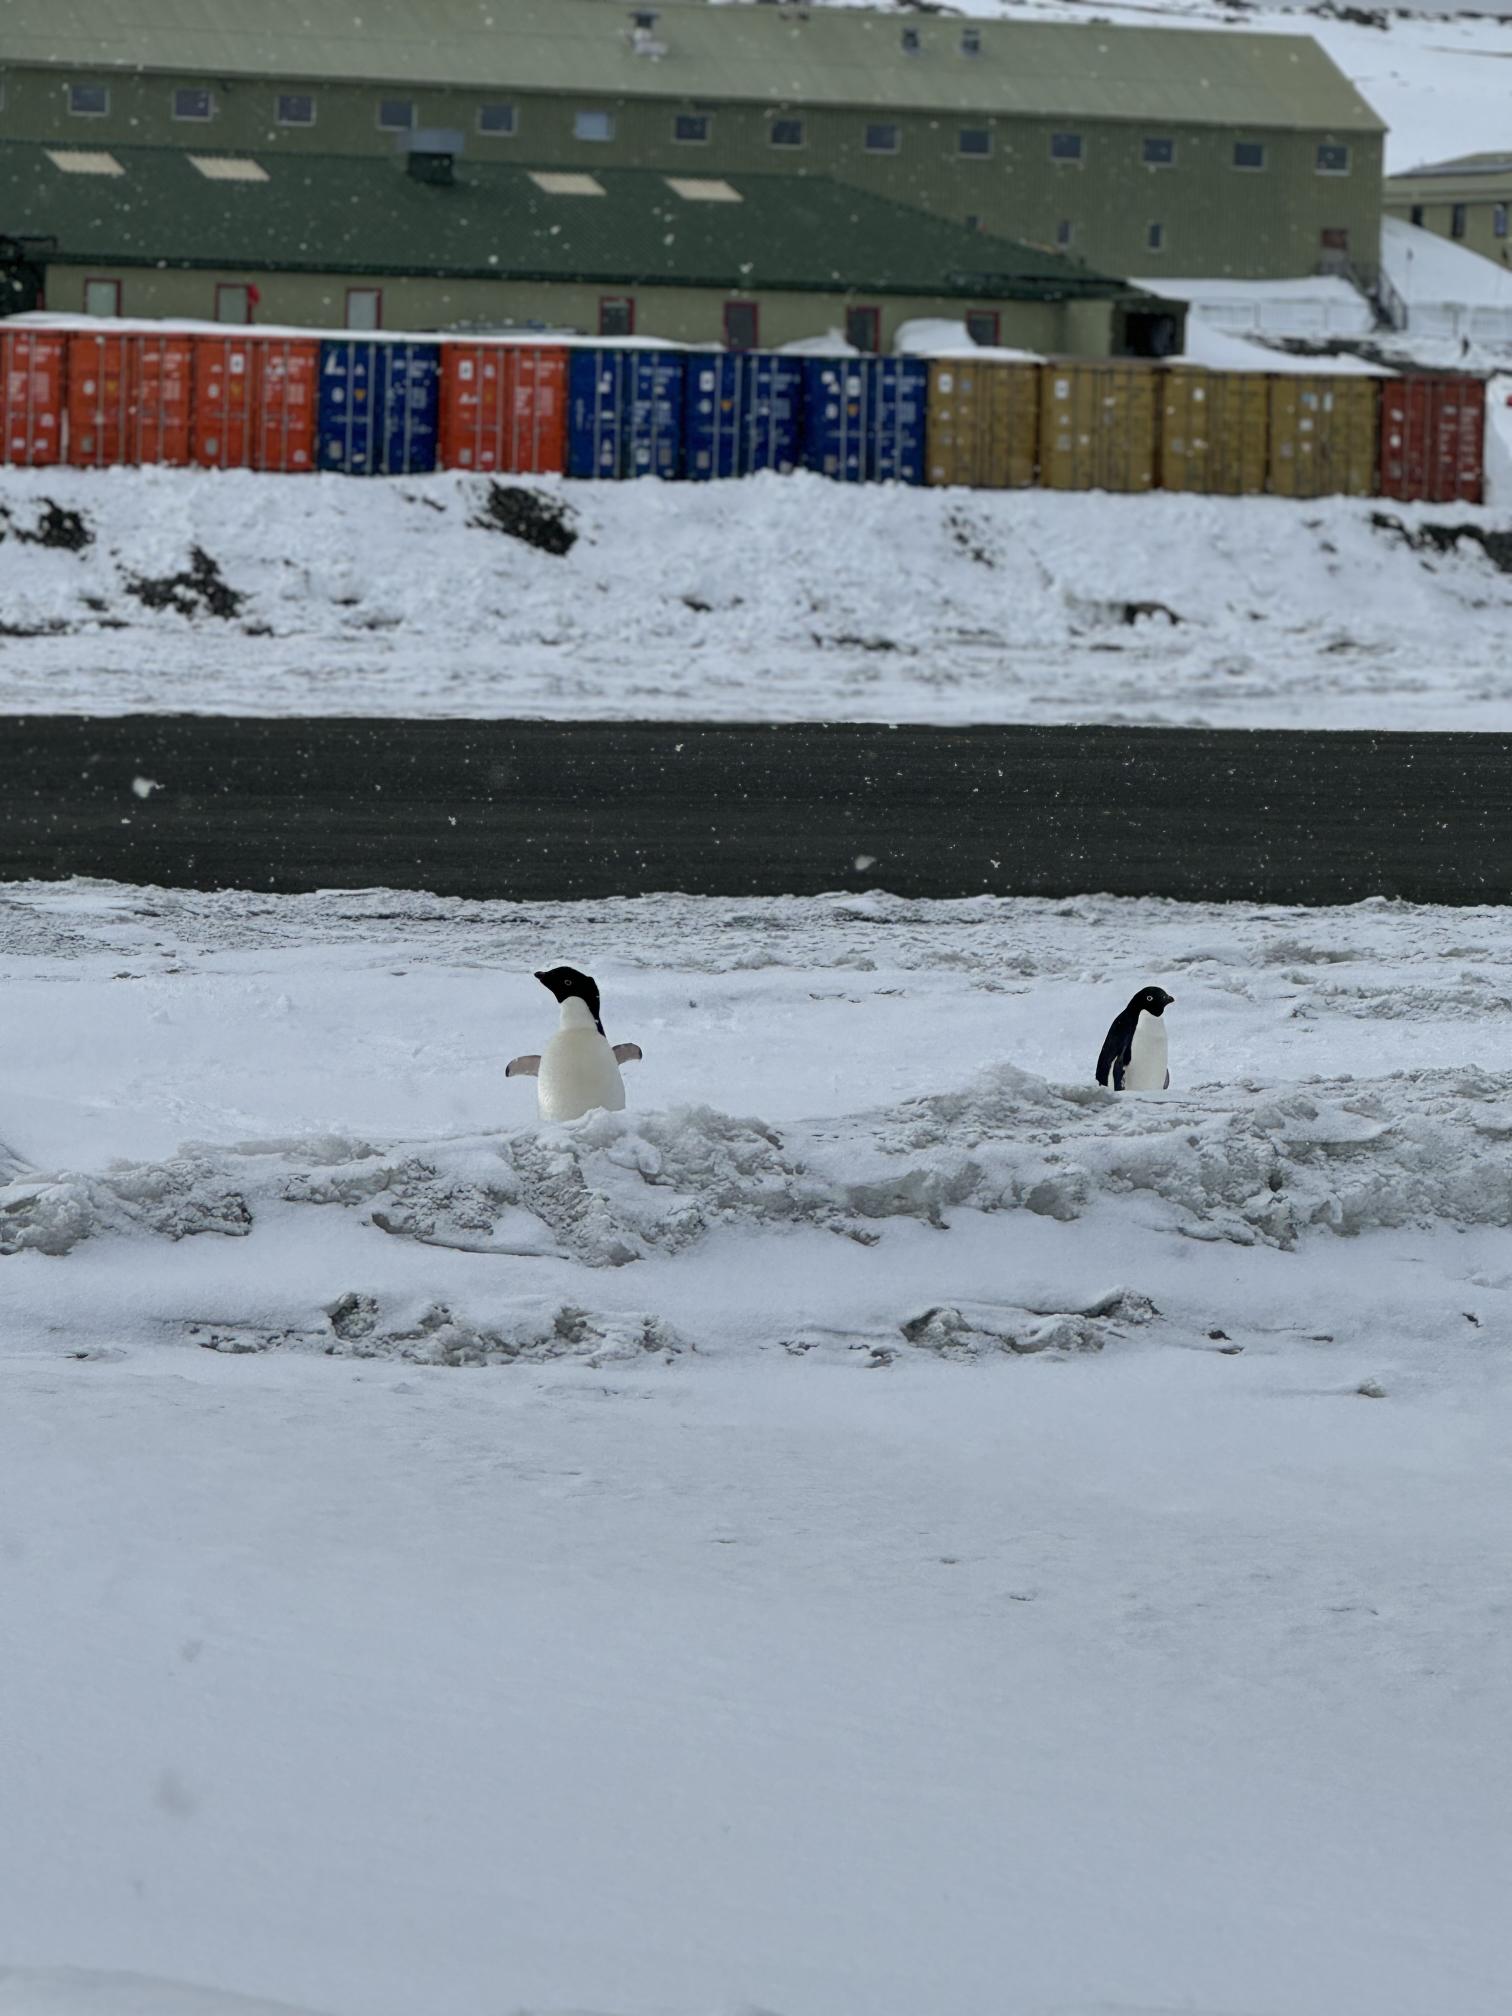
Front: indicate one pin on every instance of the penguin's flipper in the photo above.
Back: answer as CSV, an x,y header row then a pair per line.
x,y
523,1067
1167,1086
627,1053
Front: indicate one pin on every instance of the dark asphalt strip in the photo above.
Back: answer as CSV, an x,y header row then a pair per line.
x,y
534,809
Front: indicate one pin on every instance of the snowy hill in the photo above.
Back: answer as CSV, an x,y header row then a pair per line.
x,y
778,598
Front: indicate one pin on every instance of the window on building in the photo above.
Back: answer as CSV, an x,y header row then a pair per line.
x,y
193,101
786,133
974,140
971,41
984,327
973,220
296,108
1155,237
1065,146
616,315
396,115
882,139
1457,221
233,301
1334,238
863,328
1333,159
1063,232
102,297
498,119
1249,153
1156,151
1498,220
741,325
89,101
912,42
364,307
1416,214
590,123
691,129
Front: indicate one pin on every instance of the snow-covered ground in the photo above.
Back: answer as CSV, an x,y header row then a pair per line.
x,y
878,1527
778,598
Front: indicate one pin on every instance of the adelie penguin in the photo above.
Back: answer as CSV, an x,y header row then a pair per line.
x,y
579,1069
1134,1051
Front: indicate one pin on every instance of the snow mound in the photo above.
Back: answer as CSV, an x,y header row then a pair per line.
x,y
76,1991
363,1325
1240,1165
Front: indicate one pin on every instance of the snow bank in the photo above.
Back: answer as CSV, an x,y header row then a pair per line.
x,y
777,598
75,1991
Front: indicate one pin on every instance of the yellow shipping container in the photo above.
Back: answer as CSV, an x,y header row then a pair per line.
x,y
983,422
1097,426
1323,436
1215,431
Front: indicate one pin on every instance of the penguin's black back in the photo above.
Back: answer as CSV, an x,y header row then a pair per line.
x,y
1117,1044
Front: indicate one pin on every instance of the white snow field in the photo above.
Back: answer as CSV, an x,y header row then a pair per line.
x,y
775,598
880,1528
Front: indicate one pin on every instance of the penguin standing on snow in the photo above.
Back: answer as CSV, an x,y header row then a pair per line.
x,y
1134,1050
578,1070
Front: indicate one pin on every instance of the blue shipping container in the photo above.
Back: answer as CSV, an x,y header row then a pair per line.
x,y
377,413
624,414
741,413
863,418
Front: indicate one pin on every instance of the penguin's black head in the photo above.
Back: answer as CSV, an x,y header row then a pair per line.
x,y
565,983
1153,1000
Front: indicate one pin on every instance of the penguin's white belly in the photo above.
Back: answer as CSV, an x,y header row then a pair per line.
x,y
577,1074
1146,1068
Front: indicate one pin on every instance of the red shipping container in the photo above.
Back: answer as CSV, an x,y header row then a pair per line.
x,y
287,377
31,396
504,407
1432,438
254,401
128,397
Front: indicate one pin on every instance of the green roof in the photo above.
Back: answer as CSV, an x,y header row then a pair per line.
x,y
764,54
1461,165
345,214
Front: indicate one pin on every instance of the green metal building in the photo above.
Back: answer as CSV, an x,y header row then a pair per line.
x,y
1468,199
1132,150
434,242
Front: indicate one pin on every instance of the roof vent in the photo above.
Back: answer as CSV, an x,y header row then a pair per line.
x,y
431,154
644,40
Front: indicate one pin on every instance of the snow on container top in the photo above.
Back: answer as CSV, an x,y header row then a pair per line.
x,y
864,418
625,410
741,413
378,405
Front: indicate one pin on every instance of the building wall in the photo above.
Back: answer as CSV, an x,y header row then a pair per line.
x,y
676,314
1216,219
1485,203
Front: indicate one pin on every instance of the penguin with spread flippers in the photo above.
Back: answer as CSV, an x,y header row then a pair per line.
x,y
579,1070
1134,1051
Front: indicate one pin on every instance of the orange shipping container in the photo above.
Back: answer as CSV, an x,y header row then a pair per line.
x,y
128,398
504,407
254,402
31,396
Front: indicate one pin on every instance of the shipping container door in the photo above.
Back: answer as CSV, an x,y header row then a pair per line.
x,y
344,417
897,444
709,400
98,399
161,384
473,401
409,380
537,441
224,402
596,420
835,412
287,387
655,416
32,369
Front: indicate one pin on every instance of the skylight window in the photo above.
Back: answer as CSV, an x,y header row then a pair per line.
x,y
228,168
84,161
554,183
697,189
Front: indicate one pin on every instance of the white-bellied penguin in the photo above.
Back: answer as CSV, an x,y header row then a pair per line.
x,y
1134,1051
579,1069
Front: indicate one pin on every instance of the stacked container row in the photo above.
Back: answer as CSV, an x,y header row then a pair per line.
x,y
368,405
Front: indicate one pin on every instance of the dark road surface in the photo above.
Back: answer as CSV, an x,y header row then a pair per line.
x,y
551,810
